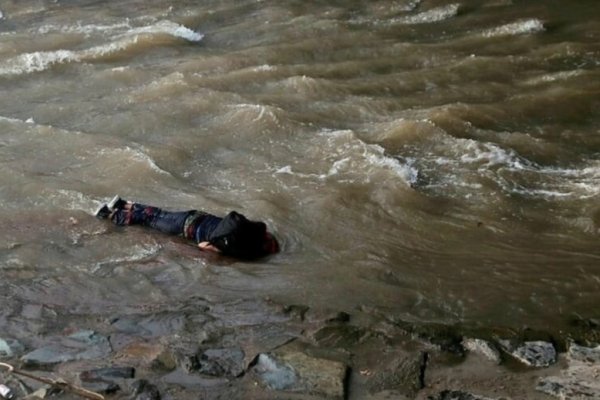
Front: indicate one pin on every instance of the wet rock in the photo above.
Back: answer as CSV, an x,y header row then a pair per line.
x,y
296,311
188,363
457,395
148,354
533,354
405,375
119,341
107,374
41,393
275,374
10,348
590,355
297,372
483,347
441,337
339,336
82,345
568,388
155,325
192,381
165,361
581,379
102,387
102,380
257,339
222,362
326,316
144,390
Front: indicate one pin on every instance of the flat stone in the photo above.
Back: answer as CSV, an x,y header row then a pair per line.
x,y
192,381
107,374
102,387
535,354
457,395
11,348
584,354
222,362
405,375
581,379
483,347
81,345
144,390
295,371
155,325
339,336
165,360
141,352
32,311
568,388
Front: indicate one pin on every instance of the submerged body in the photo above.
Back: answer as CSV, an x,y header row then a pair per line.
x,y
232,235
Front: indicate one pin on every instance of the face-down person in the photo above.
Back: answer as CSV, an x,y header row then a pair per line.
x,y
233,235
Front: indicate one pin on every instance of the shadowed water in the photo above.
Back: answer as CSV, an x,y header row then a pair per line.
x,y
436,161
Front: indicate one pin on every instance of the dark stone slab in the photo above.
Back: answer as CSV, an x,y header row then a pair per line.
x,y
457,395
144,390
533,354
192,381
107,374
227,362
82,345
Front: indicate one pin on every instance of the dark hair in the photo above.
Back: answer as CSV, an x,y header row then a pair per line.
x,y
239,237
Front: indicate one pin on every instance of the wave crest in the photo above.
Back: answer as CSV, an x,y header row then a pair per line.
x,y
42,60
516,28
434,15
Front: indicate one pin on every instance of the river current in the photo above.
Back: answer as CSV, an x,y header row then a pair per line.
x,y
430,160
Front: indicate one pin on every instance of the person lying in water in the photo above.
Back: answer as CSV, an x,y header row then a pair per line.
x,y
233,235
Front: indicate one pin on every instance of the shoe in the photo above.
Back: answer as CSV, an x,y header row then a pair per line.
x,y
116,203
103,212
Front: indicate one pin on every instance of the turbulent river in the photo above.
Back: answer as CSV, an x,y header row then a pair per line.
x,y
431,160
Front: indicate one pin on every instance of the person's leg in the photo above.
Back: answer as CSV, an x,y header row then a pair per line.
x,y
171,222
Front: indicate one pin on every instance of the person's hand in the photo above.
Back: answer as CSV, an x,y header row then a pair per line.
x,y
206,246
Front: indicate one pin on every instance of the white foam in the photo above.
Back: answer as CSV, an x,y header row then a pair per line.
x,y
1,15
367,159
433,15
261,112
516,28
36,61
170,28
490,155
135,155
264,68
41,60
285,170
557,76
84,29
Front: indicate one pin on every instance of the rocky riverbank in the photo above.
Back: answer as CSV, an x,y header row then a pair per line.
x,y
257,349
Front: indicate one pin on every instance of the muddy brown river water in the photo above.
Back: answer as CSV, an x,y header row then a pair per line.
x,y
434,161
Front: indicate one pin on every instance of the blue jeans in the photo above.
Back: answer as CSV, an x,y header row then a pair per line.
x,y
171,222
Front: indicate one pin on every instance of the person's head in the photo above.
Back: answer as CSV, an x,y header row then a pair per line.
x,y
239,237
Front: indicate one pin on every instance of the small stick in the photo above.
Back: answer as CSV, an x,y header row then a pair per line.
x,y
88,394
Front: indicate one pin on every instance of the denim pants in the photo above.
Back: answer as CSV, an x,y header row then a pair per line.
x,y
171,222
